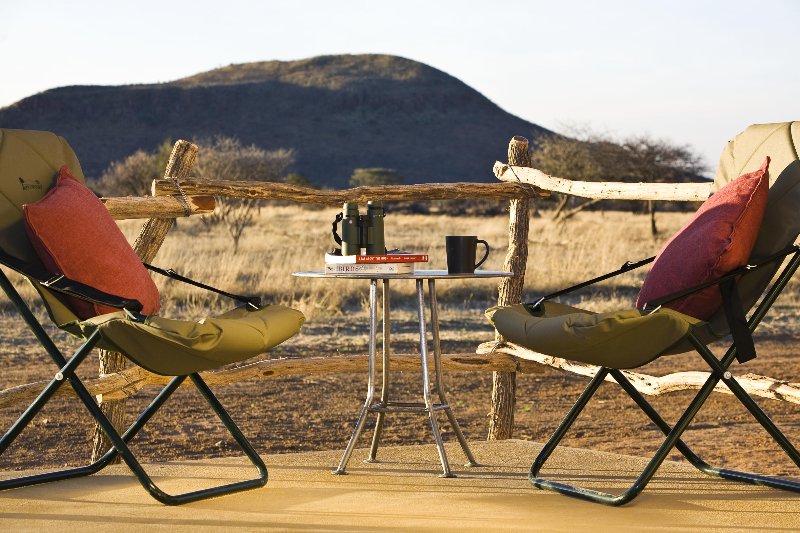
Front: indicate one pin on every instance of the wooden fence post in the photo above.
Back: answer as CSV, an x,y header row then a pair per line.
x,y
504,384
147,244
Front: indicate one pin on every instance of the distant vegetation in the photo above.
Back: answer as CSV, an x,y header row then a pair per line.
x,y
219,158
594,157
375,176
132,175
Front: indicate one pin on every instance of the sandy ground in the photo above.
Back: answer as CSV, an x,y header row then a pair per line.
x,y
402,492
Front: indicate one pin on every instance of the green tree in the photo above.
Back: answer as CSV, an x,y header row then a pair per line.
x,y
133,175
374,176
227,158
293,178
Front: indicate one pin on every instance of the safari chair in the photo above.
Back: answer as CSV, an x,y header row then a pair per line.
x,y
29,164
631,338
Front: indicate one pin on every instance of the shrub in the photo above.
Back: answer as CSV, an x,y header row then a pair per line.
x,y
226,158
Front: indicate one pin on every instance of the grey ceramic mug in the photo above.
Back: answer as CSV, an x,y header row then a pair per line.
x,y
461,251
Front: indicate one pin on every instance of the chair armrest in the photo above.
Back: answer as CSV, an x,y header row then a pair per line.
x,y
64,285
253,303
627,267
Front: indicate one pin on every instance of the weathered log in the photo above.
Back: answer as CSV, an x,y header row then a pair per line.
x,y
150,238
504,384
128,382
607,190
754,384
491,356
134,207
294,193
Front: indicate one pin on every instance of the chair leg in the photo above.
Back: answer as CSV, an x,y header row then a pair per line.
x,y
119,442
672,438
120,446
757,479
672,434
65,373
703,466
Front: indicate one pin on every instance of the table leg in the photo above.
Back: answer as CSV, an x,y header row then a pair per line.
x,y
371,380
437,358
386,346
426,393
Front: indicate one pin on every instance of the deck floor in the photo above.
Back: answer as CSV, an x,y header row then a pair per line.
x,y
403,492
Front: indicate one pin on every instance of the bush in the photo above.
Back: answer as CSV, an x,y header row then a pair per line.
x,y
133,175
374,176
226,158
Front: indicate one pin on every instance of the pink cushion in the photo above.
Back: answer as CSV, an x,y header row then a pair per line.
x,y
73,234
718,239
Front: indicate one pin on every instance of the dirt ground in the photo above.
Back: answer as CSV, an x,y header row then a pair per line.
x,y
317,412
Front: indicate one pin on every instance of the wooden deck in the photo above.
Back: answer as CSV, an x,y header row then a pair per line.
x,y
403,492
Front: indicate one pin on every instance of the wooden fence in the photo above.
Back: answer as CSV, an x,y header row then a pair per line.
x,y
180,195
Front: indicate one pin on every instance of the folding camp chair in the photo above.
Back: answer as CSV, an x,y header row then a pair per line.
x,y
631,338
29,162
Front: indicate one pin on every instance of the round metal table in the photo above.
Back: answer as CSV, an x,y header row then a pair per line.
x,y
384,404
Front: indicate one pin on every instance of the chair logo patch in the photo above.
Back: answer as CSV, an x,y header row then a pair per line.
x,y
27,186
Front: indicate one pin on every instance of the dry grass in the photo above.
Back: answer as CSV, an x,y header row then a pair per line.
x,y
287,239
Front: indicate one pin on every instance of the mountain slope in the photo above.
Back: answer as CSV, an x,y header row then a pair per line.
x,y
336,112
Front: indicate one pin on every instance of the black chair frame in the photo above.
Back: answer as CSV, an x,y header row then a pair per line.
x,y
66,373
719,372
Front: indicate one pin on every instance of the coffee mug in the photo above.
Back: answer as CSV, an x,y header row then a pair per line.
x,y
461,253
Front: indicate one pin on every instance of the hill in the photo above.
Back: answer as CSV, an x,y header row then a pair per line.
x,y
337,113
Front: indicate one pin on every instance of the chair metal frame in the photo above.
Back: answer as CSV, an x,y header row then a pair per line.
x,y
66,372
719,372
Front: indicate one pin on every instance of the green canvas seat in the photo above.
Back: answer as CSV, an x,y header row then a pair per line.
x,y
209,343
29,163
620,339
630,338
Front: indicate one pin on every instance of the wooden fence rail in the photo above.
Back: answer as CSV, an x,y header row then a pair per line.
x,y
136,207
306,195
125,383
606,190
755,384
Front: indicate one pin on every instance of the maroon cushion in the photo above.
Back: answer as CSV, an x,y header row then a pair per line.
x,y
73,234
718,239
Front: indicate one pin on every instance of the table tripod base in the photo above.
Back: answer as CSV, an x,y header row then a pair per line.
x,y
382,406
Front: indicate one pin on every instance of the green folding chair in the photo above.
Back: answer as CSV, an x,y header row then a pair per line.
x,y
29,163
633,337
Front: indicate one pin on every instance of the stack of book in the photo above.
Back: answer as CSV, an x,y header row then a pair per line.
x,y
391,263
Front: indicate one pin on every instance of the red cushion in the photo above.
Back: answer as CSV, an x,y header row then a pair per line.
x,y
73,234
718,239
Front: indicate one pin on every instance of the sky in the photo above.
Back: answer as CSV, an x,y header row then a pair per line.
x,y
690,72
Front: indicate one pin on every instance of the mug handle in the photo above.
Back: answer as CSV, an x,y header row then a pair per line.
x,y
486,255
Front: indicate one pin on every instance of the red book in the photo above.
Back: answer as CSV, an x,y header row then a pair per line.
x,y
372,259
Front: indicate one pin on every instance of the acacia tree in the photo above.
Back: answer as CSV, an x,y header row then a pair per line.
x,y
592,157
226,158
651,160
563,156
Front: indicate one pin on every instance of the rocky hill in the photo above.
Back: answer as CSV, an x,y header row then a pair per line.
x,y
337,112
